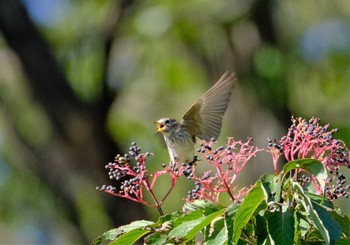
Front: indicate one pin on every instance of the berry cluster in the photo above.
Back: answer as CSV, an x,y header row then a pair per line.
x,y
197,192
340,188
304,179
187,169
132,179
308,139
131,173
227,161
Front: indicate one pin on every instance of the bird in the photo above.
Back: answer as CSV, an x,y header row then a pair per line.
x,y
203,120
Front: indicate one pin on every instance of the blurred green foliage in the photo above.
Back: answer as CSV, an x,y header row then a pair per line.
x,y
164,55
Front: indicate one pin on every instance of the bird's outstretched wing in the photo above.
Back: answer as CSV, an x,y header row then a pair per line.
x,y
204,118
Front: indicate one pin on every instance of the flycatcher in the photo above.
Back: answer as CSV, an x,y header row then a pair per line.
x,y
202,120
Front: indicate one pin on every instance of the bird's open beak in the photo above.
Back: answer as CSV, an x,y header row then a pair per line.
x,y
160,127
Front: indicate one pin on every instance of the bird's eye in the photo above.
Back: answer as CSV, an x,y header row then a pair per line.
x,y
161,126
167,121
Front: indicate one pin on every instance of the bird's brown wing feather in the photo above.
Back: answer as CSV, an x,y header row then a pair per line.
x,y
204,118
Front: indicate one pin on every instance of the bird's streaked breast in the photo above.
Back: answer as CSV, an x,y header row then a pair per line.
x,y
180,146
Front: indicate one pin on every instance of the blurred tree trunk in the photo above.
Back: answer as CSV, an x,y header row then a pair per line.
x,y
80,146
262,14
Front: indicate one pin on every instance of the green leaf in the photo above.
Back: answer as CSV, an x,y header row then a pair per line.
x,y
331,225
271,186
307,204
241,242
114,233
314,237
204,223
202,205
301,227
156,238
229,216
312,165
245,212
183,229
189,229
281,226
343,242
320,200
343,221
267,241
217,232
188,217
130,237
108,235
196,205
170,217
260,229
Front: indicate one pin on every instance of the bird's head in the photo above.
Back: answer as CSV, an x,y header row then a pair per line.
x,y
165,125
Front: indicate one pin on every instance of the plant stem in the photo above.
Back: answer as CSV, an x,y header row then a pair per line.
x,y
218,169
160,210
158,205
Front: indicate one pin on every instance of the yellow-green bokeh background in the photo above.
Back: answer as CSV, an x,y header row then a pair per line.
x,y
164,55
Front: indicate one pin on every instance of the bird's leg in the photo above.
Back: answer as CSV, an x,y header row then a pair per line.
x,y
172,164
195,159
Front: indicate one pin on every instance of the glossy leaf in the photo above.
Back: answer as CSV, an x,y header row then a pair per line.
x,y
156,238
245,212
307,204
217,234
331,225
281,226
189,229
130,237
312,165
343,221
271,185
114,233
229,224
